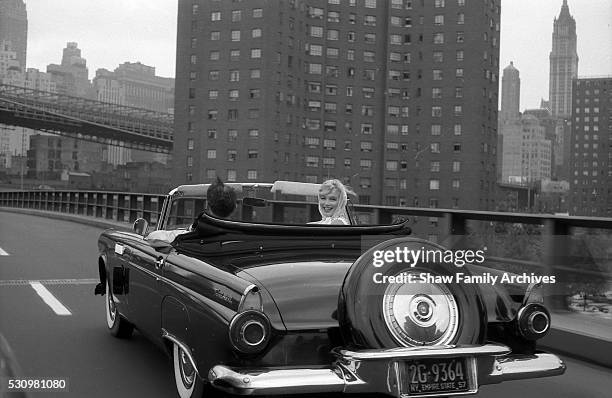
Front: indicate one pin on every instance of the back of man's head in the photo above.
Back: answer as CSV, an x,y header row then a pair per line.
x,y
221,199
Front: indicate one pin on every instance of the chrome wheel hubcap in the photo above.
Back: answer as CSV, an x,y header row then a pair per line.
x,y
419,314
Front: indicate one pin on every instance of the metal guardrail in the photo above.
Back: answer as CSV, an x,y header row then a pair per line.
x,y
115,206
122,206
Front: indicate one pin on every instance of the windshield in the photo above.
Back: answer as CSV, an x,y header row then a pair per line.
x,y
183,211
283,202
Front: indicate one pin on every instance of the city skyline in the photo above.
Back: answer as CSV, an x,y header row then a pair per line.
x,y
151,37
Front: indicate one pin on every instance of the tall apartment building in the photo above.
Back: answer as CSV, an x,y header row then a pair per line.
x,y
563,63
591,143
398,98
14,27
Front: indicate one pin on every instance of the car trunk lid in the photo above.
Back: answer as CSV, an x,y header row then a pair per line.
x,y
305,292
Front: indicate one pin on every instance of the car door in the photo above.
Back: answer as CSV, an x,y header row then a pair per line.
x,y
145,264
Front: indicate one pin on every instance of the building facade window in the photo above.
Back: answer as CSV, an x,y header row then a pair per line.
x,y
365,163
316,31
391,165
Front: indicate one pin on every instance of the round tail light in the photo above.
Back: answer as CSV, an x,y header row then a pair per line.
x,y
249,331
533,321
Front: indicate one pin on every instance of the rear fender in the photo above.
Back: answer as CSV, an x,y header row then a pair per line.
x,y
175,318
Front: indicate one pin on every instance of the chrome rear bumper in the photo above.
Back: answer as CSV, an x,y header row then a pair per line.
x,y
374,371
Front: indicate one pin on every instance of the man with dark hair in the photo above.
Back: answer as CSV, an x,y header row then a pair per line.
x,y
221,202
221,199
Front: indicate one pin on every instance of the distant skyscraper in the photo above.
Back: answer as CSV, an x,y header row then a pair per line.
x,y
563,63
526,152
135,84
14,140
9,65
554,132
511,94
71,76
14,27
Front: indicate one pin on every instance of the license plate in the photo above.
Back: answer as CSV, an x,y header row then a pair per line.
x,y
434,376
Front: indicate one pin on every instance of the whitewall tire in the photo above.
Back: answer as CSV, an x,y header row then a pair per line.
x,y
186,378
118,326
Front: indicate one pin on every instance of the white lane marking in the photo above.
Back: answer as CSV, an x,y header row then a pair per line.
x,y
3,253
21,282
50,299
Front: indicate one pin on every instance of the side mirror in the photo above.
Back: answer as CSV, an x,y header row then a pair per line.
x,y
141,227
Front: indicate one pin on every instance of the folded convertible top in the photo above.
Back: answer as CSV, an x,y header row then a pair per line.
x,y
207,223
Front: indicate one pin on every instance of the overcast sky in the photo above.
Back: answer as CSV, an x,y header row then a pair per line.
x,y
111,32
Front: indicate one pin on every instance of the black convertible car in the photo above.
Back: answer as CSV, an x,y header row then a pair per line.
x,y
256,308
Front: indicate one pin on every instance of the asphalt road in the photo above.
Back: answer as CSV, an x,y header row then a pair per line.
x,y
78,348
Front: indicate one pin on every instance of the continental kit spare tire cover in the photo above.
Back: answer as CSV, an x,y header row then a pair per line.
x,y
375,313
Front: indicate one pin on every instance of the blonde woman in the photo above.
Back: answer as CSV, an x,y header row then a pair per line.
x,y
332,203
